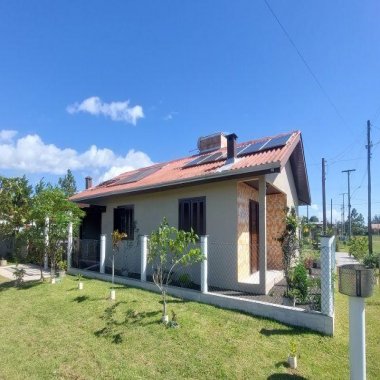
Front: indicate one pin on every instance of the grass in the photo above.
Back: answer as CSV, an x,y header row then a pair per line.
x,y
58,332
376,243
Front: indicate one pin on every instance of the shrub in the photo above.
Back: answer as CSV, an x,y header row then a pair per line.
x,y
184,280
19,274
371,261
358,247
299,282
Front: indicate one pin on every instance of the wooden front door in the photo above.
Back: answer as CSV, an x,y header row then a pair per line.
x,y
254,235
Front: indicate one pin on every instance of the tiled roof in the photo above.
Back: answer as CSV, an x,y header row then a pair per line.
x,y
174,172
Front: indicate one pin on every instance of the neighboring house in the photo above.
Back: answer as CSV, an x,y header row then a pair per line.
x,y
233,192
375,228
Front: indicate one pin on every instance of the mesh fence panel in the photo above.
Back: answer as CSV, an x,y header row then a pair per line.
x,y
234,270
6,247
86,254
188,276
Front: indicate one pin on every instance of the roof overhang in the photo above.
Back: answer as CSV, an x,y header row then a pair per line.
x,y
301,181
209,178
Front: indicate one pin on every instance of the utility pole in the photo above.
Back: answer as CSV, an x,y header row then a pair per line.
x,y
343,215
324,195
349,200
331,213
369,146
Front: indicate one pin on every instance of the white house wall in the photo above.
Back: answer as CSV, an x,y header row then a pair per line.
x,y
285,182
221,221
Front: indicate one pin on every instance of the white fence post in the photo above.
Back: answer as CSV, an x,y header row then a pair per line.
x,y
69,245
327,296
204,266
46,233
144,256
102,267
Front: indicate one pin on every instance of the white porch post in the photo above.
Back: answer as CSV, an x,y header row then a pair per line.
x,y
46,233
327,300
69,245
144,256
204,264
102,253
263,233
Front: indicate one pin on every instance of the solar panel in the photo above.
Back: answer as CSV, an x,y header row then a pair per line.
x,y
141,174
107,183
276,142
214,157
240,148
197,161
251,148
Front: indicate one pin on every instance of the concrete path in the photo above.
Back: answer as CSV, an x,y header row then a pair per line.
x,y
32,272
343,258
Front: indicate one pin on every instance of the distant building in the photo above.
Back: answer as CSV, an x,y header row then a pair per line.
x,y
375,228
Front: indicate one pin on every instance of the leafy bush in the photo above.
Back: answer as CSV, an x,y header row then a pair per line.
x,y
19,274
358,247
185,280
371,261
299,282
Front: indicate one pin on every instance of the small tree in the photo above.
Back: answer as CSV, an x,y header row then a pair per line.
x,y
289,242
15,203
51,214
117,238
168,248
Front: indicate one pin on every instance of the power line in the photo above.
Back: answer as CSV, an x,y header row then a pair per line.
x,y
306,64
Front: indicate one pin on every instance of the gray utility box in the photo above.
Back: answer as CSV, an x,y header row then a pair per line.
x,y
356,280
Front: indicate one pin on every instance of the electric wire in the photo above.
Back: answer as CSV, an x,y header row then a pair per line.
x,y
308,67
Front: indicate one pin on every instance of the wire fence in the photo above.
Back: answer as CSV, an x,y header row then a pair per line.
x,y
235,269
86,254
7,247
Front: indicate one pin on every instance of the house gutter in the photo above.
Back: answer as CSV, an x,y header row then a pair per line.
x,y
214,177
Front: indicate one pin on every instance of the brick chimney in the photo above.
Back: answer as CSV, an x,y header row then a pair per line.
x,y
231,147
88,182
212,142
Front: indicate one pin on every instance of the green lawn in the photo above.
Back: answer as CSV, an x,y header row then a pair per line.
x,y
58,332
376,243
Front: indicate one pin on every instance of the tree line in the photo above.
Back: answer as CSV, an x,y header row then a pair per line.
x,y
37,218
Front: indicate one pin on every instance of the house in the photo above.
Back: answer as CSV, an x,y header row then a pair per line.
x,y
233,192
375,228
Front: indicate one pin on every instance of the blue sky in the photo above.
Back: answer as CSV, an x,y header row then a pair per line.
x,y
99,86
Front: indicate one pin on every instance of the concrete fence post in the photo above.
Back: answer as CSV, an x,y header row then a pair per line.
x,y
144,256
327,296
46,233
102,264
69,245
204,264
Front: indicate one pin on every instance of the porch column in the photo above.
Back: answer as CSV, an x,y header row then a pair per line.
x,y
46,233
102,253
204,264
144,256
263,233
69,245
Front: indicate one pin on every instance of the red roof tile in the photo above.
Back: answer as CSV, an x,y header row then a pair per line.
x,y
174,171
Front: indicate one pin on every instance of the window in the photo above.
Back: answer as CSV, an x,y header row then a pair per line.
x,y
192,214
123,220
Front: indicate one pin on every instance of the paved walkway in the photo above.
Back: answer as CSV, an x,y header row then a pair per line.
x,y
32,272
343,258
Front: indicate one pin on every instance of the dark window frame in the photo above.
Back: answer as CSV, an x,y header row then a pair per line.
x,y
196,218
129,220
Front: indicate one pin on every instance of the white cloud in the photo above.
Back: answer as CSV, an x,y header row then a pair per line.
x,y
7,135
116,111
30,154
170,115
